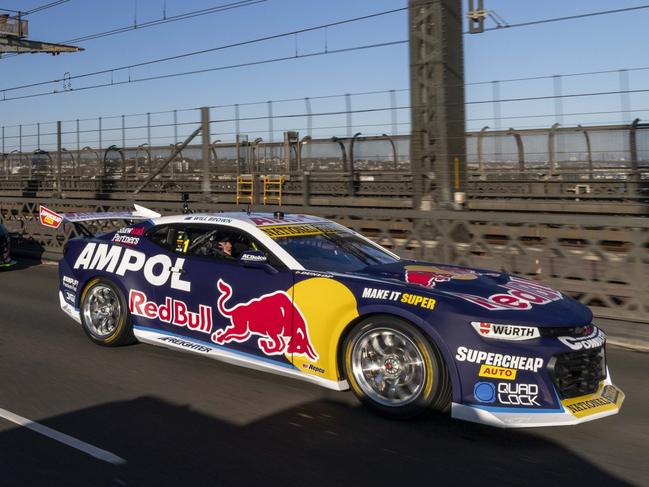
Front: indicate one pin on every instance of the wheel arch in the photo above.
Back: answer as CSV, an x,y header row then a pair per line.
x,y
419,323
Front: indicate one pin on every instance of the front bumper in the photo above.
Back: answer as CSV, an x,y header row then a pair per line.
x,y
606,401
68,309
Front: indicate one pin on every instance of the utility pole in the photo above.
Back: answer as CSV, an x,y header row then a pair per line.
x,y
437,147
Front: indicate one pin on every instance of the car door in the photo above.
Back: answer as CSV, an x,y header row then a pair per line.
x,y
239,305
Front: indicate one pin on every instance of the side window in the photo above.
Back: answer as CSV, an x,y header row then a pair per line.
x,y
226,243
162,236
211,241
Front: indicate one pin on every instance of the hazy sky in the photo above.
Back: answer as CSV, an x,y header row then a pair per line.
x,y
598,43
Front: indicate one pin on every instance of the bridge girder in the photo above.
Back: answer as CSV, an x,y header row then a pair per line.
x,y
438,147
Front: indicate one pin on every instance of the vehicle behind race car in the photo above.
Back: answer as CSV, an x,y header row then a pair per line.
x,y
5,249
307,298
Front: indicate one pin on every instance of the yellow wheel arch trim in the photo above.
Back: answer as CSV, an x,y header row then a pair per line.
x,y
328,307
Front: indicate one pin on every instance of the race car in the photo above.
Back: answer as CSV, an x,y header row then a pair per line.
x,y
5,249
305,297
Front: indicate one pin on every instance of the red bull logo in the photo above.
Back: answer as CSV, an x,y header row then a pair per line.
x,y
273,317
429,276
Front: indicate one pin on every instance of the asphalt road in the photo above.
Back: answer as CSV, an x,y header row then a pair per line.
x,y
183,420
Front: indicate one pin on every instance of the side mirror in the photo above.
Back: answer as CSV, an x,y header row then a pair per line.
x,y
257,260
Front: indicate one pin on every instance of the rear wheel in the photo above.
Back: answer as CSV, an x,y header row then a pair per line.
x,y
104,314
394,369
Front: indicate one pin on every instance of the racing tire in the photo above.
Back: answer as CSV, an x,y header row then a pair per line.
x,y
104,314
394,369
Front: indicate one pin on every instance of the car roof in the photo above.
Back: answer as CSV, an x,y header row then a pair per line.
x,y
257,219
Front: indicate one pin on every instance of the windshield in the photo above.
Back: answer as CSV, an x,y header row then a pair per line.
x,y
327,247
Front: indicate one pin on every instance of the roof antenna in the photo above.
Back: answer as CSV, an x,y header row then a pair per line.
x,y
185,200
248,208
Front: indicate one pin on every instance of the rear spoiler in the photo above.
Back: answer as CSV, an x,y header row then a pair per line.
x,y
52,219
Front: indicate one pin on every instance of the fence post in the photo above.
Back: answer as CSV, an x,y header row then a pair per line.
x,y
479,151
59,189
393,112
633,146
520,148
348,108
309,117
205,134
351,184
551,155
590,153
77,166
270,121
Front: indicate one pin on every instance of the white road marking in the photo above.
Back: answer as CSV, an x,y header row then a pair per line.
x,y
93,451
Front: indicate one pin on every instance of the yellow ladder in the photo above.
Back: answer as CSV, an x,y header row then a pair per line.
x,y
273,189
245,188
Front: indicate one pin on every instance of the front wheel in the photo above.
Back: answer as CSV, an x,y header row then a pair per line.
x,y
104,314
394,369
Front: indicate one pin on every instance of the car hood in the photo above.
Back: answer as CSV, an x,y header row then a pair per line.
x,y
486,294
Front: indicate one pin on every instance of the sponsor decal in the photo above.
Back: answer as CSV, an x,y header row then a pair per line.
x,y
50,218
126,240
261,221
313,274
521,295
506,332
507,393
313,368
291,231
429,276
497,372
211,219
498,359
70,296
611,393
279,324
185,344
484,392
594,340
128,236
607,398
515,394
588,404
248,257
70,283
158,270
398,296
173,311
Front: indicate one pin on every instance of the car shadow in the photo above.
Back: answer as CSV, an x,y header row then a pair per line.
x,y
320,443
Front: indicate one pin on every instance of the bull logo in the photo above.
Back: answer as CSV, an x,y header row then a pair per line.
x,y
428,276
273,317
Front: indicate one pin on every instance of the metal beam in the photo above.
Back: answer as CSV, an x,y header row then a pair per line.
x,y
16,45
437,100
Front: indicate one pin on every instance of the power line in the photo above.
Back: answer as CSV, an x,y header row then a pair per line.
x,y
213,49
205,70
46,6
152,23
35,9
166,20
568,17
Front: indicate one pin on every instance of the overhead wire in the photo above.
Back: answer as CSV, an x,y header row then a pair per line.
x,y
567,17
213,49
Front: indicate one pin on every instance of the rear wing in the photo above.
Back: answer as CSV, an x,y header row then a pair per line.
x,y
53,219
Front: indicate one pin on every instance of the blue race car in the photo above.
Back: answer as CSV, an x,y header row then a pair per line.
x,y
5,249
305,297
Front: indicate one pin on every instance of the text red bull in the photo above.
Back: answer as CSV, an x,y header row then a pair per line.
x,y
273,317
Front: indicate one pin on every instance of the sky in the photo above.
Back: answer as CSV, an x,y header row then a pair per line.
x,y
610,42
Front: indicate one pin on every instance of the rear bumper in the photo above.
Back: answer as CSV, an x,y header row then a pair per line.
x,y
605,402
